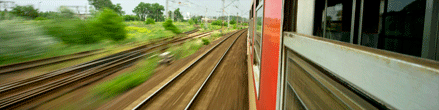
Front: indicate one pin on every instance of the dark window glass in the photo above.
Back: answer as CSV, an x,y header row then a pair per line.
x,y
334,22
395,25
338,20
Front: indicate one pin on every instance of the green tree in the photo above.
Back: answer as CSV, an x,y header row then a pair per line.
x,y
141,10
25,11
232,22
156,12
130,18
110,25
101,4
118,9
177,15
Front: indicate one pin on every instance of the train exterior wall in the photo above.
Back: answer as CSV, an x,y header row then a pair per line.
x,y
270,55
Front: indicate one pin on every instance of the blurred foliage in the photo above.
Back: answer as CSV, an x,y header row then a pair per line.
x,y
205,41
20,40
196,19
27,11
130,18
126,81
191,21
168,25
219,22
149,21
137,29
186,49
65,13
40,18
102,4
72,31
118,9
108,24
232,21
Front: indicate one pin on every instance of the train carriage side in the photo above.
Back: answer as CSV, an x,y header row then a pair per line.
x,y
352,54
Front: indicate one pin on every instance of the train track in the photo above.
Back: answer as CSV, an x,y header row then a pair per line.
x,y
56,83
175,94
4,69
192,31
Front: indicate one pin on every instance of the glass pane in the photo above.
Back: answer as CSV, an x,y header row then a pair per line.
x,y
338,20
402,25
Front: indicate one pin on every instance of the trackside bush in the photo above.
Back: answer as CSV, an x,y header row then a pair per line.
x,y
72,31
149,21
109,25
205,41
168,25
22,40
190,21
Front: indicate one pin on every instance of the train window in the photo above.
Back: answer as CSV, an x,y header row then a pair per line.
x,y
333,19
394,25
258,45
307,86
290,15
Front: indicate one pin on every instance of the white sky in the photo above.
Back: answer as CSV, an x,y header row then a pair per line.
x,y
197,8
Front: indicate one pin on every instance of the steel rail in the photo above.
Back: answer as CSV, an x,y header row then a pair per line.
x,y
46,61
211,72
179,74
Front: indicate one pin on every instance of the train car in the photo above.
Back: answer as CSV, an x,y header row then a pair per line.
x,y
344,54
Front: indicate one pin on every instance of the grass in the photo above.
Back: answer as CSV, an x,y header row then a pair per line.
x,y
127,80
186,49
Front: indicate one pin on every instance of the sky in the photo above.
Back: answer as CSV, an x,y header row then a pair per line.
x,y
194,7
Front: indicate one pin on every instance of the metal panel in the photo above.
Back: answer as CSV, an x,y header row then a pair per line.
x,y
280,78
396,81
430,40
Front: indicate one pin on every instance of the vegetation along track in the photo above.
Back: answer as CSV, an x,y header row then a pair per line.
x,y
177,93
9,68
56,83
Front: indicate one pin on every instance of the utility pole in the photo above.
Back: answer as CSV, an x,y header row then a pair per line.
x,y
223,9
228,20
167,13
173,15
205,19
237,20
222,14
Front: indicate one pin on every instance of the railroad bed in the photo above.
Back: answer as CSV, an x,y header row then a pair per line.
x,y
187,86
34,91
